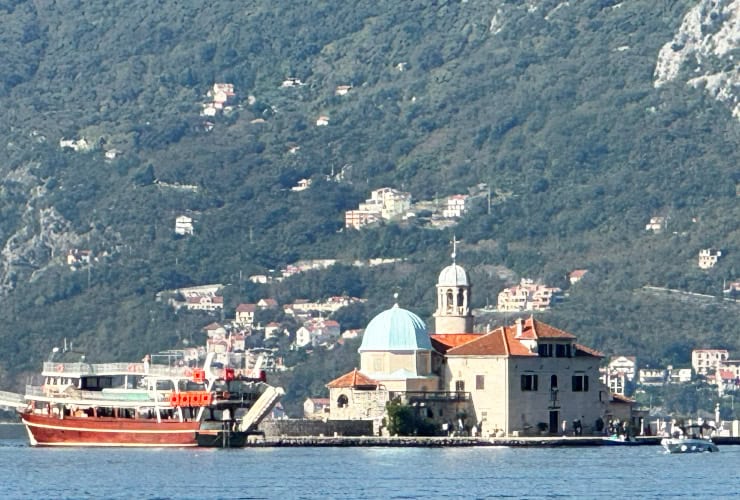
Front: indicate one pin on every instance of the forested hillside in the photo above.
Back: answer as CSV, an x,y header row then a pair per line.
x,y
553,105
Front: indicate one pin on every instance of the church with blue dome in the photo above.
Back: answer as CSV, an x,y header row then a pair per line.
x,y
512,380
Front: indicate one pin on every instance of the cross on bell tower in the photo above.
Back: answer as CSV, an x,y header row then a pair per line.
x,y
453,313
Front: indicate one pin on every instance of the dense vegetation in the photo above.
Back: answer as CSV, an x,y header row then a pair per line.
x,y
578,147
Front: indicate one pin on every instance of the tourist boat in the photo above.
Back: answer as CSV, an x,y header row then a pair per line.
x,y
139,404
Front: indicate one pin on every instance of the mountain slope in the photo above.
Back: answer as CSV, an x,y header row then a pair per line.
x,y
576,110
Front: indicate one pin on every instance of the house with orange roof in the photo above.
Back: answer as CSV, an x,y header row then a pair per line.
x,y
576,275
244,314
525,378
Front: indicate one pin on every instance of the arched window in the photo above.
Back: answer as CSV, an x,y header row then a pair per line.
x,y
342,401
450,297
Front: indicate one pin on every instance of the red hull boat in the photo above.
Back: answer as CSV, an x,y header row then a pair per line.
x,y
46,430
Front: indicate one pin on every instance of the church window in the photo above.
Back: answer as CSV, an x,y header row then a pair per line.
x,y
378,364
529,382
459,385
580,383
480,382
449,300
342,401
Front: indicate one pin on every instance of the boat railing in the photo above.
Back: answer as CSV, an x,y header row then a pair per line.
x,y
80,369
106,395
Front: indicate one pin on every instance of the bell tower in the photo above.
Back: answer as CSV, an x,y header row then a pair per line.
x,y
453,314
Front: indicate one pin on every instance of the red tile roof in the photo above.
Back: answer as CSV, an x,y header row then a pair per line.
x,y
444,342
503,341
726,374
355,378
246,308
545,331
582,350
499,342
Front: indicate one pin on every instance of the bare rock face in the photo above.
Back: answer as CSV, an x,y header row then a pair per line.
x,y
707,44
42,234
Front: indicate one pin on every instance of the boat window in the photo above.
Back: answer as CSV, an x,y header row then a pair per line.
x,y
165,385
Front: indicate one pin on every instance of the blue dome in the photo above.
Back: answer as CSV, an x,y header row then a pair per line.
x,y
396,329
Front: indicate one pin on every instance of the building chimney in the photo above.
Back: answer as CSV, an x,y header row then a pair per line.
x,y
519,327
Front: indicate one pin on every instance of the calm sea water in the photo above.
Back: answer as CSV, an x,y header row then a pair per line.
x,y
428,473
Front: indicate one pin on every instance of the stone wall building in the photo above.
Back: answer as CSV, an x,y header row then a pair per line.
x,y
524,378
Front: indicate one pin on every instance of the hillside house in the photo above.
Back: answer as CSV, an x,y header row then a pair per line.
x,y
291,82
679,375
215,331
342,90
384,203
77,257
652,376
619,374
352,334
456,206
656,225
708,257
112,154
356,219
204,303
244,314
527,296
184,225
322,121
302,185
273,330
219,95
706,361
317,331
267,304
76,145
576,275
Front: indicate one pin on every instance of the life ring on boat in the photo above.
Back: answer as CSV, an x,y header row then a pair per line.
x,y
174,399
60,367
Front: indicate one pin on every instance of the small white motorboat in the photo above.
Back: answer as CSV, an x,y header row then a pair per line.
x,y
688,445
